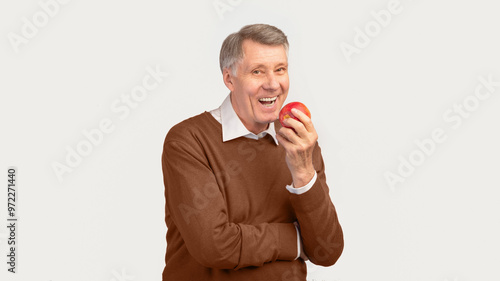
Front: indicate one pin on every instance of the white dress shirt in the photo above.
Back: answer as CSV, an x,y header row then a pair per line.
x,y
233,128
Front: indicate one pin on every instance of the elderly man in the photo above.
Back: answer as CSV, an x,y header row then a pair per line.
x,y
247,199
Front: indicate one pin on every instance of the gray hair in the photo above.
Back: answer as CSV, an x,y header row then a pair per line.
x,y
231,51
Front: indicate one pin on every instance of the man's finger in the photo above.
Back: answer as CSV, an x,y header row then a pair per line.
x,y
296,126
289,134
300,128
303,118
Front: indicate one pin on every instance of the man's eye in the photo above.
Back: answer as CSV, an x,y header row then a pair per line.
x,y
280,69
256,72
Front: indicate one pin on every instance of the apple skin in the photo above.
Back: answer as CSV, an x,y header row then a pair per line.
x,y
286,112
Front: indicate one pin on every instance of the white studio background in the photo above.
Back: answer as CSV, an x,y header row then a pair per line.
x,y
405,101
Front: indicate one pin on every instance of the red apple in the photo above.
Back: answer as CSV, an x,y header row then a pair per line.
x,y
286,111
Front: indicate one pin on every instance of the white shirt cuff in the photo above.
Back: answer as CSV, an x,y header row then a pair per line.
x,y
298,240
300,247
304,188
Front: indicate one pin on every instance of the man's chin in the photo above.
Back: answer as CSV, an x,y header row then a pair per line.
x,y
268,120
267,117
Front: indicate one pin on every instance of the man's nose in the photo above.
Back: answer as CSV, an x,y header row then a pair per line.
x,y
271,83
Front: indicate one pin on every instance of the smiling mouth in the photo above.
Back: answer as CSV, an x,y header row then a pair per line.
x,y
268,102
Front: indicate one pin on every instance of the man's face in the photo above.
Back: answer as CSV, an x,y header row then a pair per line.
x,y
260,86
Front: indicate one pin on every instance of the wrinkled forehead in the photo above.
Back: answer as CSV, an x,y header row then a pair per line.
x,y
254,52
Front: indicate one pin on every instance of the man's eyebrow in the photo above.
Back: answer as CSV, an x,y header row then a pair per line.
x,y
259,65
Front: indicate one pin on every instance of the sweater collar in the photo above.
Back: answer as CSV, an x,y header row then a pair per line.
x,y
233,128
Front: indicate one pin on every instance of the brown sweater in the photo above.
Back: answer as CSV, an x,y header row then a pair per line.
x,y
228,213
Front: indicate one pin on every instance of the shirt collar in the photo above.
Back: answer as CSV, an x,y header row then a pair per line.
x,y
233,128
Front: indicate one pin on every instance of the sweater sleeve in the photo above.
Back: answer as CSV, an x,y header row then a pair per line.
x,y
320,230
198,209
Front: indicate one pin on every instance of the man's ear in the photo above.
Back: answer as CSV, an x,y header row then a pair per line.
x,y
228,77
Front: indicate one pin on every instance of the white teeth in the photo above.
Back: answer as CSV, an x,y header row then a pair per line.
x,y
268,99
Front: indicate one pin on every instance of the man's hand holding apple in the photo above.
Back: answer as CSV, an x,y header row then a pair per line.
x,y
299,141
